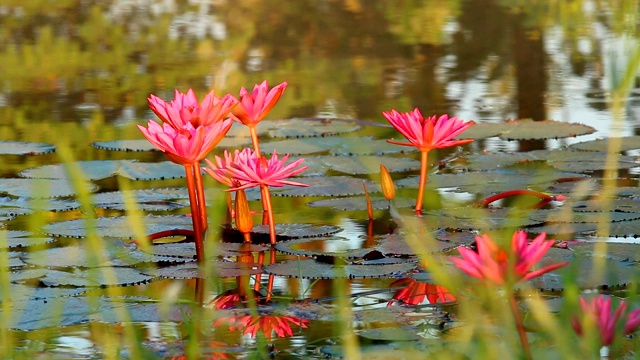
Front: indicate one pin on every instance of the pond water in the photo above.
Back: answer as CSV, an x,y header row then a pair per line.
x,y
79,72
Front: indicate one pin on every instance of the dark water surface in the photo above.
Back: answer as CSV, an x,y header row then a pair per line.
x,y
77,71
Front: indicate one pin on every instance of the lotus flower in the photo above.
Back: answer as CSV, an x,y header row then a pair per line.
x,y
426,134
415,292
267,324
250,170
491,263
186,109
598,312
255,106
188,145
247,169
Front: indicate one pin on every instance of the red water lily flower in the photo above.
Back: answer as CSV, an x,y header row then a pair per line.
x,y
185,109
598,312
426,134
246,169
256,105
189,144
250,170
415,292
267,324
491,263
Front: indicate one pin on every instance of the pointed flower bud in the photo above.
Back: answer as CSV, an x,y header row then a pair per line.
x,y
388,189
244,221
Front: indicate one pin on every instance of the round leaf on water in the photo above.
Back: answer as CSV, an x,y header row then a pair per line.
x,y
621,205
332,246
25,148
358,165
151,171
559,216
540,130
76,256
301,146
165,199
12,239
395,245
624,229
311,269
483,130
625,143
583,161
188,249
96,277
295,231
327,186
485,162
389,334
360,203
117,227
91,170
564,231
367,146
139,145
40,188
220,269
20,292
311,127
27,205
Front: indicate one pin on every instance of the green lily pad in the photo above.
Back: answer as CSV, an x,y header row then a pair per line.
x,y
334,246
327,186
559,216
311,269
95,277
165,199
360,203
220,269
118,227
358,165
297,231
188,249
309,127
139,145
15,239
367,146
528,129
40,188
91,170
25,148
602,145
20,292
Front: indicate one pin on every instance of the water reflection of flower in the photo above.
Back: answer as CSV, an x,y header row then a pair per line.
x,y
415,293
267,324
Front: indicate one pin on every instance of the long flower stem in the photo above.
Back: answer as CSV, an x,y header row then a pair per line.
x,y
195,211
519,325
256,285
265,213
424,156
202,203
269,209
254,140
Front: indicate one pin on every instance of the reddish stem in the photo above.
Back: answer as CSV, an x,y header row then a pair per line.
x,y
544,198
269,210
424,157
254,140
271,280
520,326
366,196
195,211
256,285
202,203
265,215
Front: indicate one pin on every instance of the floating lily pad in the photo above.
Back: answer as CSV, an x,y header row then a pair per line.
x,y
25,148
296,231
95,277
19,292
395,245
583,161
621,205
390,334
14,259
327,186
40,188
334,246
366,146
118,227
297,128
27,205
626,143
139,145
102,169
482,130
311,269
220,269
485,162
77,256
165,199
624,229
12,239
358,165
301,146
360,203
548,129
188,249
561,230
559,216
614,273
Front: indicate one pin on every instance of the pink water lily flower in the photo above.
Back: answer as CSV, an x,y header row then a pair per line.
x,y
256,105
184,108
428,133
491,263
246,168
190,144
598,312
